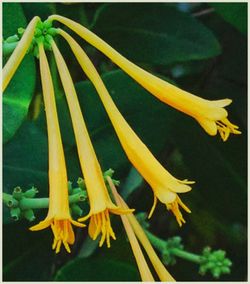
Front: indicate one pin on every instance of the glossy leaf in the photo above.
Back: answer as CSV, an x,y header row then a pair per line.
x,y
97,270
233,13
18,95
154,33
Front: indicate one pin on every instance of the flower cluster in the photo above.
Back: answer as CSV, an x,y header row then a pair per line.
x,y
211,115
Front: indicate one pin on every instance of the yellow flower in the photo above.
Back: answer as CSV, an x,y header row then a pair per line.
x,y
58,214
100,203
133,228
164,185
19,52
211,115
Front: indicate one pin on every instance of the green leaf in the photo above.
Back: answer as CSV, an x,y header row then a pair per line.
x,y
97,269
24,253
25,158
233,13
154,33
131,183
18,95
215,168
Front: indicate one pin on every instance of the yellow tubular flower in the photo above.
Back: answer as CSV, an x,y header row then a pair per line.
x,y
160,269
211,115
58,215
99,199
144,270
19,53
164,185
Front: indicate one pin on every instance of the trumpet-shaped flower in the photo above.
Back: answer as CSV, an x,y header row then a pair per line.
x,y
132,227
58,214
100,203
211,115
19,52
164,185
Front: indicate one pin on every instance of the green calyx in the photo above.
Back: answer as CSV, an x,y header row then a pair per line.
x,y
22,204
44,34
215,262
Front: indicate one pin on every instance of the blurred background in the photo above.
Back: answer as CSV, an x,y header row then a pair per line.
x,y
199,47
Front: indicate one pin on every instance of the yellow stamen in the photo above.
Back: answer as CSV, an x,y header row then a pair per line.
x,y
153,207
19,52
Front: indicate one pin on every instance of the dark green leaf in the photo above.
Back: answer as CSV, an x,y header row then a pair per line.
x,y
233,13
29,166
154,33
25,252
97,269
18,95
131,183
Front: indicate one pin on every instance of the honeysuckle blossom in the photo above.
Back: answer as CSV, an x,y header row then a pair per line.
x,y
18,54
211,115
132,227
100,203
145,273
58,214
164,185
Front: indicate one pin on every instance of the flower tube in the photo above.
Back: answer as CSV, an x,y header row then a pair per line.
x,y
100,203
164,185
211,115
146,275
58,214
160,269
18,54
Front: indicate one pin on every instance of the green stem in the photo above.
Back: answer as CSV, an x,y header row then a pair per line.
x,y
158,243
186,255
8,48
39,203
34,203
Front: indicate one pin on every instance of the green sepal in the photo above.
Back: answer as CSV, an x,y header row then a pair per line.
x,y
29,215
13,38
81,183
15,213
17,193
76,210
30,193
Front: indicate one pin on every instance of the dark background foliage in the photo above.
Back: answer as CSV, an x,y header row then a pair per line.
x,y
199,47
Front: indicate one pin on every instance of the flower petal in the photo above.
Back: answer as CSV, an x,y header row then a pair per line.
x,y
208,125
